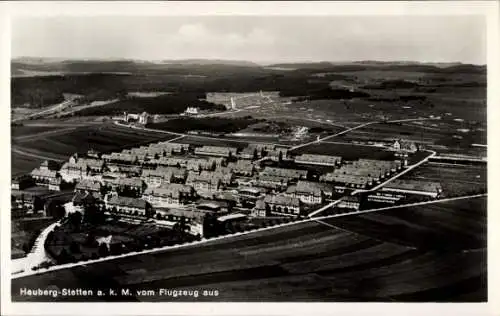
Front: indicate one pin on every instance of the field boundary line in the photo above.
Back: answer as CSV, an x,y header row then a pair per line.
x,y
204,241
195,136
403,205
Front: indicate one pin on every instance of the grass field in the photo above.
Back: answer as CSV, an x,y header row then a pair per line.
x,y
103,138
29,130
456,180
441,226
427,131
346,151
202,141
365,259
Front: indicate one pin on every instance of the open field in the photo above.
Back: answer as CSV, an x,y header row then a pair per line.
x,y
346,151
444,226
103,138
444,135
456,180
17,131
208,141
310,262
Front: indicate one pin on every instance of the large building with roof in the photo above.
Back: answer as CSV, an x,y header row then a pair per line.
x,y
289,174
87,185
216,151
168,195
260,209
270,182
208,181
429,188
44,174
282,204
362,173
321,160
118,184
306,191
242,167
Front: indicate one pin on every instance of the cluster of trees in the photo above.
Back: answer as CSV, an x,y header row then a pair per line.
x,y
322,93
164,104
210,124
213,228
42,91
392,84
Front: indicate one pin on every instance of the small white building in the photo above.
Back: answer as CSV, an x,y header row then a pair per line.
x,y
192,111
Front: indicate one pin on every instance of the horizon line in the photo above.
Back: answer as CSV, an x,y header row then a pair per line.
x,y
260,63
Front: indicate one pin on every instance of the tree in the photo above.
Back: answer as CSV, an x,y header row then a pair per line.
x,y
64,256
74,247
55,209
102,250
90,240
50,237
182,224
75,220
93,215
229,227
210,225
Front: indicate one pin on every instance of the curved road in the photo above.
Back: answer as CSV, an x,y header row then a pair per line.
x,y
36,256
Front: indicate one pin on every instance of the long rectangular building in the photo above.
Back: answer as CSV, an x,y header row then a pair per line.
x,y
216,151
429,188
168,195
322,160
291,174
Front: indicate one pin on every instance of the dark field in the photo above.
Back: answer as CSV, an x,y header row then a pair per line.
x,y
346,151
103,138
455,225
391,256
21,164
29,130
445,133
25,231
456,180
203,141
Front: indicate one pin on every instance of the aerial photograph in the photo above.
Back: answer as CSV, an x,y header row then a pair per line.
x,y
248,158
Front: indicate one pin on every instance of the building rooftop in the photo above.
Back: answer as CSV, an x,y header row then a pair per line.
x,y
132,181
282,172
127,201
305,187
318,158
87,184
47,173
414,185
231,217
282,200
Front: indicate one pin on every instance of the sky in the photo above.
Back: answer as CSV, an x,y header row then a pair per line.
x,y
261,39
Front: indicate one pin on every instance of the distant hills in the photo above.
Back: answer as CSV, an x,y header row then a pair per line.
x,y
30,66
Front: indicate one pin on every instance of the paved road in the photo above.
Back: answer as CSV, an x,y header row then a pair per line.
x,y
356,127
334,135
408,169
56,107
59,108
403,206
309,261
37,254
205,241
189,135
324,208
